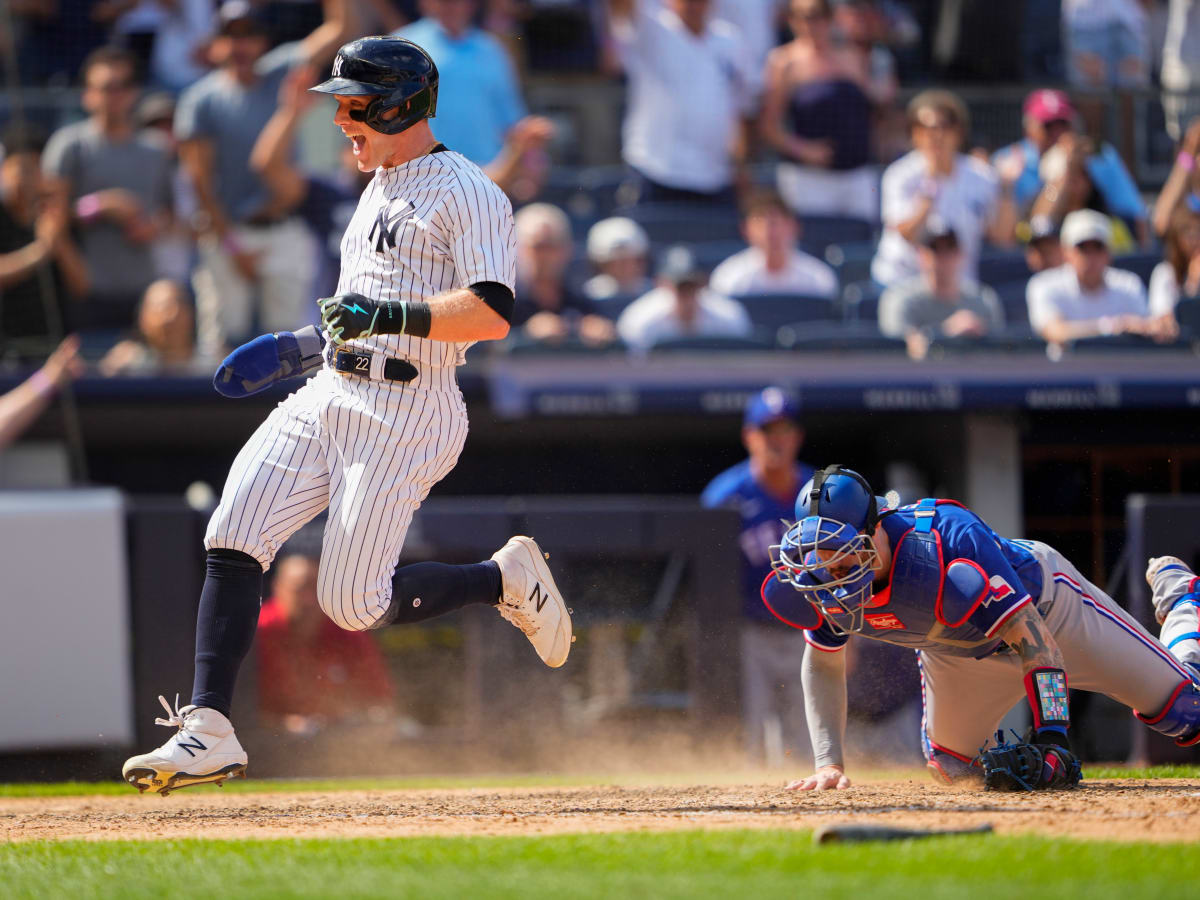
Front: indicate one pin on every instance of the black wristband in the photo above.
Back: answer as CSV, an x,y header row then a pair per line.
x,y
412,317
418,318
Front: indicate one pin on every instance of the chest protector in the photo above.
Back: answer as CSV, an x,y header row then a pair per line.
x,y
927,602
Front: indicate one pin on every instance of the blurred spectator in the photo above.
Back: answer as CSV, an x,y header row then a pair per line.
x,y
1086,297
547,308
1070,186
24,403
174,248
774,262
1043,249
168,37
41,269
1177,276
1181,66
681,306
817,114
860,27
936,178
479,100
763,489
325,203
1051,128
619,250
1051,135
310,672
939,302
689,88
165,340
758,23
118,178
1106,44
249,248
1183,184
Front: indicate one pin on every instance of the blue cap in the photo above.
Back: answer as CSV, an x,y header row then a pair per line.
x,y
770,405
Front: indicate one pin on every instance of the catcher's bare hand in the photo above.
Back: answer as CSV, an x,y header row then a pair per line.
x,y
826,778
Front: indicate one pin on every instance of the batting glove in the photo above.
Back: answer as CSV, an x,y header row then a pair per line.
x,y
348,316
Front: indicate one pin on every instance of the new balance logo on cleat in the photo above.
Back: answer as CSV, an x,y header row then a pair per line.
x,y
538,597
192,747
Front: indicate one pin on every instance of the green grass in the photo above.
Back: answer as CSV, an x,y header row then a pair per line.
x,y
277,785
683,864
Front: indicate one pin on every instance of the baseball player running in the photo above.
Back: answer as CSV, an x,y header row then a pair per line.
x,y
992,620
427,269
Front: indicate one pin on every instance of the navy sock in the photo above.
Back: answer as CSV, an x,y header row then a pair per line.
x,y
424,590
225,625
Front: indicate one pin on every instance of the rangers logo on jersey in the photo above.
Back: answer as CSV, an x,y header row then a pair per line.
x,y
999,589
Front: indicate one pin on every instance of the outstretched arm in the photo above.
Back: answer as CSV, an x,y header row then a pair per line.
x,y
1027,633
824,677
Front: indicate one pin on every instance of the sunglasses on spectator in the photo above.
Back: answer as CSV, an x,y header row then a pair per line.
x,y
111,87
1092,247
814,16
934,122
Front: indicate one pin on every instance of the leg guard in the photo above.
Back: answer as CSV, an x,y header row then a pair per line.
x,y
1180,717
946,766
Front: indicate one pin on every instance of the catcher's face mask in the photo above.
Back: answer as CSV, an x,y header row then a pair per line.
x,y
832,564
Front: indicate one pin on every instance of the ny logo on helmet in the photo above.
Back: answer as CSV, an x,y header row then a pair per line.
x,y
337,66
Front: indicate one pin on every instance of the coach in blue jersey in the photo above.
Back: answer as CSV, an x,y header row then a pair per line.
x,y
763,489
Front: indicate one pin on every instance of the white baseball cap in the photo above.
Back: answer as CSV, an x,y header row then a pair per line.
x,y
612,238
1086,225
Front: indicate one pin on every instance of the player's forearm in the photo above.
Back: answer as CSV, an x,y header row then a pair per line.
x,y
824,678
17,265
1030,637
460,315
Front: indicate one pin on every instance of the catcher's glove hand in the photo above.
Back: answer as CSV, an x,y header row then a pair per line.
x,y
1026,766
348,316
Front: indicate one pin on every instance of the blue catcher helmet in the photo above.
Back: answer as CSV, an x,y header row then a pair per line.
x,y
829,554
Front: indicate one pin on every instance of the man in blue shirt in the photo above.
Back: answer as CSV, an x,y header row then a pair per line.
x,y
763,489
479,100
1048,115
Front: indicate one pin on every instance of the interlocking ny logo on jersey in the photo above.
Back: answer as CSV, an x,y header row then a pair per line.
x,y
195,745
539,596
387,225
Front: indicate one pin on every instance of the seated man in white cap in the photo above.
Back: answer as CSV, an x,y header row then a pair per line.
x,y
619,250
1086,297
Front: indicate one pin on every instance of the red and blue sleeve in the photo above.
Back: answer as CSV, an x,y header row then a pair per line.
x,y
1005,593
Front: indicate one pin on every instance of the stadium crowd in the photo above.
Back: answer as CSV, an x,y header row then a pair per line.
x,y
790,169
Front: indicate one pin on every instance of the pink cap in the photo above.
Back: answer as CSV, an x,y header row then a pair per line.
x,y
1049,105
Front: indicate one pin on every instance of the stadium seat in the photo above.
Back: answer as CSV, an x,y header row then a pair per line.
x,y
1120,343
1002,267
713,342
860,301
520,345
1141,264
821,231
1009,340
710,254
612,307
670,223
851,261
1187,314
836,337
1012,298
770,311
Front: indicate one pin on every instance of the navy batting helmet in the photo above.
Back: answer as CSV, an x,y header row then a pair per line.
x,y
396,73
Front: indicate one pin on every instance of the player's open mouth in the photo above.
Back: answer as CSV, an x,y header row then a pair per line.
x,y
359,141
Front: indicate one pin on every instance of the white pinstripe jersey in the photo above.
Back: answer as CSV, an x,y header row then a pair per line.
x,y
431,225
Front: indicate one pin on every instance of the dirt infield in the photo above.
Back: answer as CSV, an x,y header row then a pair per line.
x,y
1161,810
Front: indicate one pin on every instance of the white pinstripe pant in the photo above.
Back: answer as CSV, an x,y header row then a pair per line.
x,y
368,450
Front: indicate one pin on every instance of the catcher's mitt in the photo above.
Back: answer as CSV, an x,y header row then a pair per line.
x,y
1025,766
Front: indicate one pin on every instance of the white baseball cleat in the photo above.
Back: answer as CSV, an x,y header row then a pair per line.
x,y
1158,563
204,750
531,600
